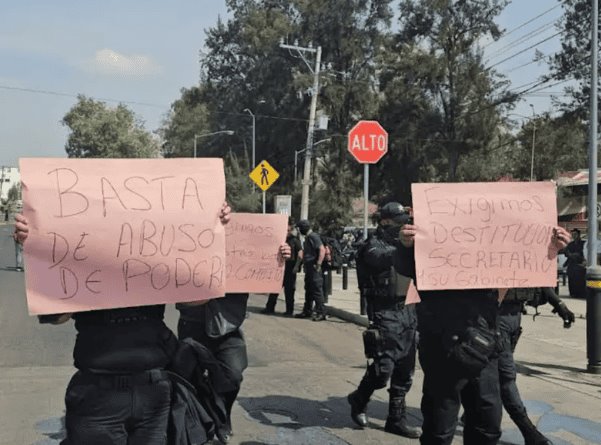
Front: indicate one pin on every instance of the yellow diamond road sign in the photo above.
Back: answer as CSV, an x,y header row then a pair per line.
x,y
264,175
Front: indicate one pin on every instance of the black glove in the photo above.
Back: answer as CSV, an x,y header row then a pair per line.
x,y
567,315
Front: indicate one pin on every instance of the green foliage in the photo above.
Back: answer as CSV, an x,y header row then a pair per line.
x,y
245,68
572,62
188,116
560,144
445,103
239,190
97,131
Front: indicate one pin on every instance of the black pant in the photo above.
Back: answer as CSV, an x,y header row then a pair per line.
x,y
229,349
510,319
117,410
577,280
447,385
396,361
289,290
313,290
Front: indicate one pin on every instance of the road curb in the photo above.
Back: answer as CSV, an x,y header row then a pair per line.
x,y
357,319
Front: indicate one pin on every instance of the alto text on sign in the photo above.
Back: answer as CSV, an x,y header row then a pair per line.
x,y
368,142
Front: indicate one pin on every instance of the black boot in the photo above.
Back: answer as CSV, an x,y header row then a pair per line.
x,y
532,436
358,408
396,423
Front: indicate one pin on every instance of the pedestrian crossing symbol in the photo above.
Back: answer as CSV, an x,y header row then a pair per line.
x,y
264,175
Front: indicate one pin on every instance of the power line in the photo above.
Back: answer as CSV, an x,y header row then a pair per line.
x,y
525,49
523,24
131,102
58,93
515,68
523,39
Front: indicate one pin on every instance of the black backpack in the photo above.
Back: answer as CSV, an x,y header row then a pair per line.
x,y
198,412
337,258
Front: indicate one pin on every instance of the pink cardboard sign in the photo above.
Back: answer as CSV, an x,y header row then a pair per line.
x,y
412,295
109,233
252,252
485,235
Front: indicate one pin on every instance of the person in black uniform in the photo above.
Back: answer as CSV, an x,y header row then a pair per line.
x,y
121,393
391,338
217,324
510,319
290,270
457,352
576,266
313,255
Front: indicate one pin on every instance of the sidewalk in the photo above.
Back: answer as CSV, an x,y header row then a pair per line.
x,y
562,399
344,304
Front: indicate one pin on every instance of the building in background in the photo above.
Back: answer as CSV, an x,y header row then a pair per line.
x,y
572,195
9,176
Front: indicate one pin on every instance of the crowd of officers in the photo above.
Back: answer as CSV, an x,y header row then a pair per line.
x,y
130,364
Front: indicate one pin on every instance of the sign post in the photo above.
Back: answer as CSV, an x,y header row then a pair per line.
x,y
368,143
264,175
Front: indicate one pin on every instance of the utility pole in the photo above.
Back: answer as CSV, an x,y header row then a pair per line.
x,y
307,172
533,141
593,272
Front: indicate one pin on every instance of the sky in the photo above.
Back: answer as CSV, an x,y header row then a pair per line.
x,y
142,52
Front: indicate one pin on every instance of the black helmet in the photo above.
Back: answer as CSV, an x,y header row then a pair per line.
x,y
303,224
396,212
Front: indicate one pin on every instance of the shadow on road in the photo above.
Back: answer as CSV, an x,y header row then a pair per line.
x,y
296,413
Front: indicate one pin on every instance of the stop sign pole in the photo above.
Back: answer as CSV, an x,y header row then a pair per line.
x,y
368,143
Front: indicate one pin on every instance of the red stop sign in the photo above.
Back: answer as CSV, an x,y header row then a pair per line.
x,y
368,142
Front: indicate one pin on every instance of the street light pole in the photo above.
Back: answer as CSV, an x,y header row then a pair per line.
x,y
533,141
246,110
312,111
253,142
198,136
296,152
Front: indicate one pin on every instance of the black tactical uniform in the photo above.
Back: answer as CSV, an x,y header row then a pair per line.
x,y
217,325
120,393
313,276
290,271
510,318
457,352
391,337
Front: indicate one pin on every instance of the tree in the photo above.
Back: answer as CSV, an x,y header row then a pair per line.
x,y
97,131
572,62
188,116
560,144
239,192
444,101
244,67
